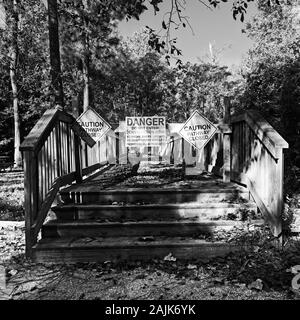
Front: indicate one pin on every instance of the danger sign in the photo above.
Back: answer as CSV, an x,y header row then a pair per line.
x,y
197,130
145,131
93,124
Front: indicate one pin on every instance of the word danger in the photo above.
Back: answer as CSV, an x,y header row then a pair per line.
x,y
197,132
145,121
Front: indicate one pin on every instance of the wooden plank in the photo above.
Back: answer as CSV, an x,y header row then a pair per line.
x,y
177,149
195,211
122,148
58,151
68,229
188,153
45,207
77,153
40,177
65,117
111,147
68,132
124,249
47,203
80,132
117,141
226,157
264,209
28,155
93,167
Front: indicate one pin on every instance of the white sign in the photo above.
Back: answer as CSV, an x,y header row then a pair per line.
x,y
145,131
93,124
197,130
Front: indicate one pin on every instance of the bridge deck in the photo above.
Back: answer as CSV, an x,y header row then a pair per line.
x,y
167,178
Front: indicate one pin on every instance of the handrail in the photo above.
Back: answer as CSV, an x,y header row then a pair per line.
x,y
257,162
39,133
263,130
52,159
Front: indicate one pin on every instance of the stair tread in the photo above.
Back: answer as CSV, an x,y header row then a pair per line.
x,y
154,205
203,189
121,242
88,223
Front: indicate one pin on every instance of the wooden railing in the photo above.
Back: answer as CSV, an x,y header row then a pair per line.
x,y
52,159
257,162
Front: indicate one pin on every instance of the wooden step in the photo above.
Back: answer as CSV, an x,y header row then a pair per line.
x,y
199,211
119,249
80,228
160,196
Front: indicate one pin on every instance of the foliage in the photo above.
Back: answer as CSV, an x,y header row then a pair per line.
x,y
272,72
32,58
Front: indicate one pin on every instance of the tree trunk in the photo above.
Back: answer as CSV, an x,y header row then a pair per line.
x,y
86,77
14,87
55,65
86,60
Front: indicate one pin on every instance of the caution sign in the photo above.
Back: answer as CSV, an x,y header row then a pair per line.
x,y
145,131
93,124
197,130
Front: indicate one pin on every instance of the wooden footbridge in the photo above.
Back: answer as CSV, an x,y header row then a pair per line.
x,y
63,167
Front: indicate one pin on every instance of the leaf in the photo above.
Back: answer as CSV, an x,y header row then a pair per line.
x,y
191,266
169,257
146,239
294,269
256,285
296,282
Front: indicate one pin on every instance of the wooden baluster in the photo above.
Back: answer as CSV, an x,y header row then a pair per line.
x,y
30,197
44,186
278,183
226,142
62,145
182,156
172,150
58,153
50,159
78,159
46,165
117,147
40,175
68,148
53,156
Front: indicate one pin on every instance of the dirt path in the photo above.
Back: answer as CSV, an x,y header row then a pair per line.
x,y
247,276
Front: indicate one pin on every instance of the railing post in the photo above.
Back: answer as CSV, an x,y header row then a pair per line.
x,y
117,147
78,165
278,182
183,158
226,130
30,197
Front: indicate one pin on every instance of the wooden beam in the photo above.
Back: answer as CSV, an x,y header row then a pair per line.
x,y
273,220
78,159
28,189
226,130
77,128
